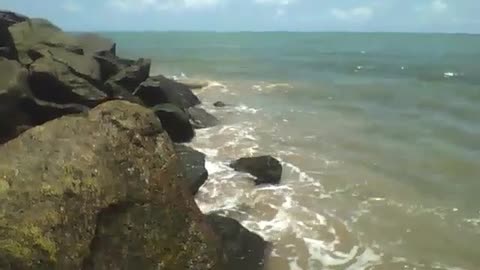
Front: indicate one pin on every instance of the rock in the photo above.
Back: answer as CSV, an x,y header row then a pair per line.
x,y
159,90
193,164
219,104
7,19
175,121
115,91
34,35
99,191
243,249
110,64
13,90
131,76
201,118
70,80
267,169
94,44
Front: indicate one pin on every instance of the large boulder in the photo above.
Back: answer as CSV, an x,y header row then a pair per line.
x,y
159,89
33,35
243,249
193,166
201,118
266,169
99,191
175,121
94,44
7,19
65,77
131,76
13,90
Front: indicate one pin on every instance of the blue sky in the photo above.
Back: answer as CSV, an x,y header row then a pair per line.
x,y
257,15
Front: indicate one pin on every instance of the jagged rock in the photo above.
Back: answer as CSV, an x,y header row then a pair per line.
x,y
94,44
219,104
13,90
243,249
99,191
193,165
159,89
67,78
175,121
266,169
131,76
201,118
34,35
7,19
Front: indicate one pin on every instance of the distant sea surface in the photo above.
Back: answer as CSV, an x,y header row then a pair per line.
x,y
378,134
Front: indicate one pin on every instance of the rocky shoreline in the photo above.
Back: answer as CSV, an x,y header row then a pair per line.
x,y
93,172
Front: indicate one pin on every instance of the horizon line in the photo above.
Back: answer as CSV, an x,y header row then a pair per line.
x,y
274,31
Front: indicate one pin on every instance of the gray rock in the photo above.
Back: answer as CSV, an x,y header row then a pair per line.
x,y
131,76
201,118
242,248
219,104
175,121
193,165
267,169
159,89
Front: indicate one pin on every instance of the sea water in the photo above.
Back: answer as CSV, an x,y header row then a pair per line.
x,y
378,134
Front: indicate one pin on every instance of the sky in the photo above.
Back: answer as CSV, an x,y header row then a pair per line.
x,y
256,15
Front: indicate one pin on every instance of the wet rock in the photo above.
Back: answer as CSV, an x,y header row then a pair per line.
x,y
159,90
175,121
99,191
193,165
266,169
219,104
131,76
243,249
94,44
201,118
34,35
7,19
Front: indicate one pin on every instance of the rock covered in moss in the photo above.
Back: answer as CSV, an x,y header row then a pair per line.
x,y
93,44
99,191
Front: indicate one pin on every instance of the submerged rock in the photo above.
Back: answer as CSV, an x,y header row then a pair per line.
x,y
99,191
219,104
193,165
176,122
243,249
266,169
201,118
159,89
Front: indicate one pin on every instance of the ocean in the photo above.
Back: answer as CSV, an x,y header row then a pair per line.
x,y
378,134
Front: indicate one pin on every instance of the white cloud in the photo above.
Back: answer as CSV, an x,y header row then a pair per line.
x,y
354,14
71,6
140,5
280,5
439,6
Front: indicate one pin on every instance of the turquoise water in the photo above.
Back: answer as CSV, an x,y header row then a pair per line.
x,y
379,135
